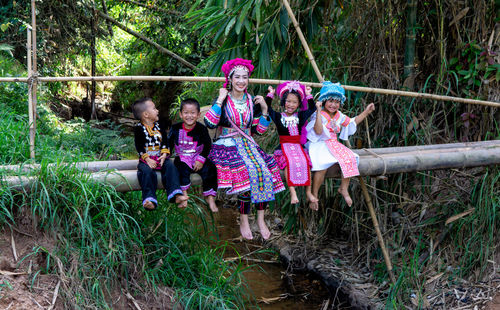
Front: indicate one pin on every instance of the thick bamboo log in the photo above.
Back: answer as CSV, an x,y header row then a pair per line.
x,y
370,165
121,180
397,159
381,91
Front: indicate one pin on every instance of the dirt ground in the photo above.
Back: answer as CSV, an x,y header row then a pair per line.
x,y
23,282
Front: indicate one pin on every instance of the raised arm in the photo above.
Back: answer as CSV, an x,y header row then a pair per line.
x,y
269,100
261,123
318,125
212,116
368,110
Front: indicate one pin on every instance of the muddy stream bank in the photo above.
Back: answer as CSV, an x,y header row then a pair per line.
x,y
271,278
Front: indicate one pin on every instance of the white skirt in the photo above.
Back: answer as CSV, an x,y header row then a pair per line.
x,y
321,158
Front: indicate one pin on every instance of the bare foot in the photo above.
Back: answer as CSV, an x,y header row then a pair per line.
x,y
311,197
181,201
211,203
314,205
245,231
345,194
149,205
264,231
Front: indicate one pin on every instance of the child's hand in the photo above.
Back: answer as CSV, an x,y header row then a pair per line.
x,y
151,163
162,159
271,91
370,108
222,94
197,166
318,105
260,100
308,90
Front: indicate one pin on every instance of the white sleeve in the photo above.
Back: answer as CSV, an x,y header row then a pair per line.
x,y
349,129
311,134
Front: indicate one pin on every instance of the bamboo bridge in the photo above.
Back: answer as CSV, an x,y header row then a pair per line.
x,y
122,174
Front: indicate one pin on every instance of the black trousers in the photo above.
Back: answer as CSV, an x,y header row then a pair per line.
x,y
244,203
208,176
149,183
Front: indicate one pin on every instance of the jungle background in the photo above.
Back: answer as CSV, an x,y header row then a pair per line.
x,y
94,245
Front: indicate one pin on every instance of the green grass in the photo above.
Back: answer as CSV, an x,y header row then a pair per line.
x,y
116,245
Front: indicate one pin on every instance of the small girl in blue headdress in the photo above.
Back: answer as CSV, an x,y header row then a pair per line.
x,y
324,148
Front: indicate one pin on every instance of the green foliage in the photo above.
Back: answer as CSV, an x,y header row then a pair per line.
x,y
14,140
472,67
115,244
476,236
257,30
4,285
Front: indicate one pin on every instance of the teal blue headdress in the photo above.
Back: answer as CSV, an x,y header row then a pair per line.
x,y
332,91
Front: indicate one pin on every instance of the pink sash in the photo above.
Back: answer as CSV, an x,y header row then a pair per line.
x,y
297,163
345,157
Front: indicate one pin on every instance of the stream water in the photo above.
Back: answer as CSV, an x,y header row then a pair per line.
x,y
268,281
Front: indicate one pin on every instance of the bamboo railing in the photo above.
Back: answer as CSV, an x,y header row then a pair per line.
x,y
201,79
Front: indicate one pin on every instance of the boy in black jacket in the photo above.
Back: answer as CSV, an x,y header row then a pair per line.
x,y
192,144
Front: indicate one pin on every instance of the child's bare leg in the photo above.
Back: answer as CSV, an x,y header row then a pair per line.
x,y
211,203
264,231
318,178
245,231
182,200
309,194
343,190
293,193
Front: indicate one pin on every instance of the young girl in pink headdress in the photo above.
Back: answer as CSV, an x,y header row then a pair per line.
x,y
324,148
290,155
242,166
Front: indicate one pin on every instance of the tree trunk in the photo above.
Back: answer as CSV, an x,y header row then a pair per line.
x,y
409,62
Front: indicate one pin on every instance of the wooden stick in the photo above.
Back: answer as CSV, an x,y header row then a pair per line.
x,y
13,244
381,91
54,296
151,7
147,40
30,95
132,299
303,40
380,238
34,84
361,181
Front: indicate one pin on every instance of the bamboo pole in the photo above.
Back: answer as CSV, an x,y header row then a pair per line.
x,y
361,181
401,159
34,83
377,229
30,96
303,40
381,91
